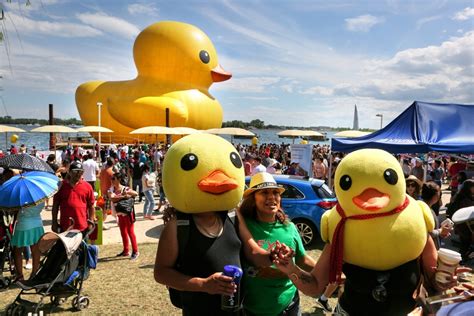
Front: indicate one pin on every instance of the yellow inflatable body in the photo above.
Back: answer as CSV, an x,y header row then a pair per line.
x,y
176,64
371,181
203,173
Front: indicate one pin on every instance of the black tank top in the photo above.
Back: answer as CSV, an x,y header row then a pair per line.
x,y
396,285
205,256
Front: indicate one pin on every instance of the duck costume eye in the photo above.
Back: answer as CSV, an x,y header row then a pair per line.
x,y
345,182
390,176
204,56
235,159
189,162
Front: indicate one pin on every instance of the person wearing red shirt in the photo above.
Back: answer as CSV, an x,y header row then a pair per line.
x,y
75,199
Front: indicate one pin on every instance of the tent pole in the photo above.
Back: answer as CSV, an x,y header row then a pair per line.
x,y
330,171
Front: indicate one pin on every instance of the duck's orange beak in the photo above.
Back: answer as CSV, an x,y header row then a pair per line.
x,y
218,74
371,200
217,182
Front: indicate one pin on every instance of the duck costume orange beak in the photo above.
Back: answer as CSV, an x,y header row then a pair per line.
x,y
217,182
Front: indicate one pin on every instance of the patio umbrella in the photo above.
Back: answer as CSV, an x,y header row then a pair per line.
x,y
294,133
25,162
232,131
53,129
350,134
27,189
5,129
186,130
94,129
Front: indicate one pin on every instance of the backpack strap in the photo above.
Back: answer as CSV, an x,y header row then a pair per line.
x,y
182,227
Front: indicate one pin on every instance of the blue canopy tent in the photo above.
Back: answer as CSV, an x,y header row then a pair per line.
x,y
421,128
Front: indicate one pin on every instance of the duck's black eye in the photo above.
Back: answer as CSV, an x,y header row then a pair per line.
x,y
189,162
236,161
390,176
204,56
345,182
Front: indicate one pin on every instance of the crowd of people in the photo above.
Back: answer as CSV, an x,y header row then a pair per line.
x,y
134,172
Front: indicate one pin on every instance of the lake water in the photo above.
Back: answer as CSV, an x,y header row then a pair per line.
x,y
41,140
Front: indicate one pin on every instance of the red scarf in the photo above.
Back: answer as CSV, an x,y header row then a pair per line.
x,y
337,243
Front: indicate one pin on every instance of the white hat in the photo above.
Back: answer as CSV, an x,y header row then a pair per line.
x,y
261,181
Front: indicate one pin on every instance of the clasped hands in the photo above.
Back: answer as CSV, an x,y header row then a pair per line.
x,y
282,256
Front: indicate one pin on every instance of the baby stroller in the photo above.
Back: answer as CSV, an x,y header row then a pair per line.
x,y
6,230
464,227
66,265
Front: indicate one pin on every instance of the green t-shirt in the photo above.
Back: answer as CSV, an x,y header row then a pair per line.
x,y
267,290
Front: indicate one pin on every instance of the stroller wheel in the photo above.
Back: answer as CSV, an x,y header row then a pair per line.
x,y
9,310
5,283
56,301
80,302
18,310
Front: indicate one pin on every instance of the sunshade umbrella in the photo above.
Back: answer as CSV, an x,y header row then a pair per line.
x,y
350,134
294,133
27,189
186,130
25,162
94,129
53,129
232,131
5,129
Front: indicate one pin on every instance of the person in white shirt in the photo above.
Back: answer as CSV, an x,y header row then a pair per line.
x,y
257,166
157,157
148,184
91,170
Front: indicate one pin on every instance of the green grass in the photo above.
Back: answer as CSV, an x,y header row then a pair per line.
x,y
122,287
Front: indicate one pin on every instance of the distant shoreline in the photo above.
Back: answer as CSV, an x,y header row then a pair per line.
x,y
73,121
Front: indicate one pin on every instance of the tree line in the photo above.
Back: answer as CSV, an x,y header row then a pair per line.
x,y
26,121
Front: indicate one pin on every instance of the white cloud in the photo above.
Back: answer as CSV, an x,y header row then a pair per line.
x,y
142,8
248,84
363,23
465,14
423,21
323,91
58,29
109,24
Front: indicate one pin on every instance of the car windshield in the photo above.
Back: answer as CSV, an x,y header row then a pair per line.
x,y
324,191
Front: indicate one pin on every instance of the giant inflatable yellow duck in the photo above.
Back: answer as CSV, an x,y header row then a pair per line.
x,y
383,227
203,173
176,63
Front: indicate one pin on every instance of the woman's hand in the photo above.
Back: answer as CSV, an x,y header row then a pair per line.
x,y
445,231
453,281
282,256
218,283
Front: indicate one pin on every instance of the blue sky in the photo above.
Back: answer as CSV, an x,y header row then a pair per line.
x,y
301,63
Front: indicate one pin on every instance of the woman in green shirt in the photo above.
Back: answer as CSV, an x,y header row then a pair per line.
x,y
267,290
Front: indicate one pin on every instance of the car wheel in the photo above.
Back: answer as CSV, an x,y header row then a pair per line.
x,y
307,230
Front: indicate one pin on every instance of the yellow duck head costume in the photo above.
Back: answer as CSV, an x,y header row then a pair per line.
x,y
203,173
375,224
176,64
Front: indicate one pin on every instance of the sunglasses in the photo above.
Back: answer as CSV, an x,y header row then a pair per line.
x,y
411,184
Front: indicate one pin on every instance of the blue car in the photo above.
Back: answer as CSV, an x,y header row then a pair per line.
x,y
305,201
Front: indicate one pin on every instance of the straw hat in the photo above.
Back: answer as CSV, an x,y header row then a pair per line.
x,y
414,179
261,181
